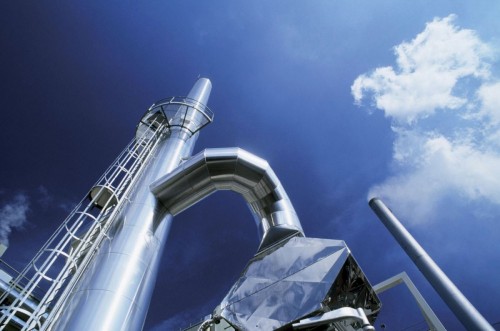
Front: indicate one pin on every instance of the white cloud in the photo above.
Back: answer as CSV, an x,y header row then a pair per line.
x,y
435,157
13,216
428,69
489,96
440,167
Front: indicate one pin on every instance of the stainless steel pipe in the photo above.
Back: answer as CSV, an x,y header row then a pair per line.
x,y
466,313
114,293
237,170
13,292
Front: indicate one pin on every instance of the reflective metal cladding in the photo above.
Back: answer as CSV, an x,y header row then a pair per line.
x,y
109,248
236,170
115,290
299,278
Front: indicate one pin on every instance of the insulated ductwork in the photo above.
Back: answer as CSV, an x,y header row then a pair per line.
x,y
99,269
237,170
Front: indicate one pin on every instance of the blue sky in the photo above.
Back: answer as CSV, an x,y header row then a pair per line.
x,y
345,99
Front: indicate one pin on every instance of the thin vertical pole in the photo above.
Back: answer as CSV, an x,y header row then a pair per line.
x,y
458,303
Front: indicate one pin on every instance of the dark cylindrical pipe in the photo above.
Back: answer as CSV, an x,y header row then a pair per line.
x,y
458,303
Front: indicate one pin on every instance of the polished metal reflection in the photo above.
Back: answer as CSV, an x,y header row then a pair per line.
x,y
28,305
345,318
13,292
289,279
298,278
114,293
237,170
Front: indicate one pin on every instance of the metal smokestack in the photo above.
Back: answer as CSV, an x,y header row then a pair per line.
x,y
200,92
115,292
98,270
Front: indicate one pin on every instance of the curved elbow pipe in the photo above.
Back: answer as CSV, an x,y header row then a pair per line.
x,y
237,170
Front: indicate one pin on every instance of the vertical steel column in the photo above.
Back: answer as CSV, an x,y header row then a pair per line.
x,y
458,303
115,292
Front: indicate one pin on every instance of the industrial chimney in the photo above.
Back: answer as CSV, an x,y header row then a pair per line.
x,y
98,270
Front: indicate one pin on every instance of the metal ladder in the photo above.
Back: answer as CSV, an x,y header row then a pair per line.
x,y
57,267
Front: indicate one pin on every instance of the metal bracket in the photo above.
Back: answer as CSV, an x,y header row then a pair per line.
x,y
334,316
